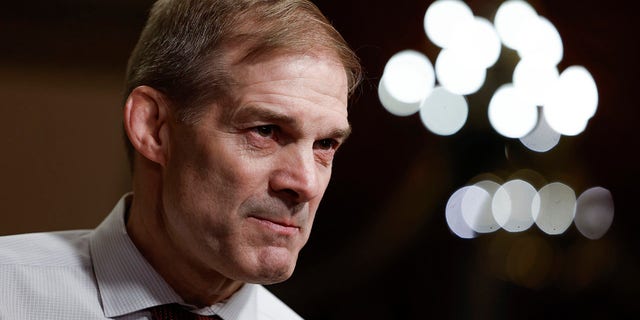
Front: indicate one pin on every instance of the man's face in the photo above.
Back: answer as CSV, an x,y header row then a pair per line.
x,y
242,186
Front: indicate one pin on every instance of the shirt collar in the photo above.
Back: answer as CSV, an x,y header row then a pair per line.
x,y
126,281
242,305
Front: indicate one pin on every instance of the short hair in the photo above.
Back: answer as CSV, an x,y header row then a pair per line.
x,y
181,49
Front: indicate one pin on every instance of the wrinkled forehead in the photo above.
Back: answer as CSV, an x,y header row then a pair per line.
x,y
286,65
306,87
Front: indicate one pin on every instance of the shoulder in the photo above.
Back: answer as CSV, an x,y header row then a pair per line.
x,y
270,307
47,273
63,248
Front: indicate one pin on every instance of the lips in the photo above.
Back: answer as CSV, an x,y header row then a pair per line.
x,y
276,226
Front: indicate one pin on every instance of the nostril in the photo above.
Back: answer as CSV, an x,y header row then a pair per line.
x,y
291,193
290,198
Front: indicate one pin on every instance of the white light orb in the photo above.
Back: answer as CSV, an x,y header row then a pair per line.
x,y
510,20
444,113
478,40
441,19
458,74
554,207
488,185
476,210
578,81
543,138
535,79
572,102
511,205
393,105
510,113
453,215
541,41
594,212
409,76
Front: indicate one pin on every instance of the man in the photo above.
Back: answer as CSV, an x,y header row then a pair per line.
x,y
234,111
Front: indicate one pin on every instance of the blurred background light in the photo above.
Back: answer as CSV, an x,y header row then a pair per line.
x,y
554,207
487,205
543,138
594,212
472,44
535,79
409,76
510,114
538,107
533,177
476,209
540,41
572,102
579,79
459,74
444,113
510,20
393,105
478,40
453,215
443,17
511,205
408,79
489,186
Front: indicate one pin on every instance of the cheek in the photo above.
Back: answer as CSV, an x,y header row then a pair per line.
x,y
208,190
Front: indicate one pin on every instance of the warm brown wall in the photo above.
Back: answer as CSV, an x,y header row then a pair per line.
x,y
63,164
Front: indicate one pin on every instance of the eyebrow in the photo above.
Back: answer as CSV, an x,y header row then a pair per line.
x,y
341,134
279,117
264,114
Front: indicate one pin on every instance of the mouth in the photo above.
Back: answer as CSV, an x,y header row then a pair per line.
x,y
279,227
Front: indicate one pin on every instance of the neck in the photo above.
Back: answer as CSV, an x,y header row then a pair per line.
x,y
197,285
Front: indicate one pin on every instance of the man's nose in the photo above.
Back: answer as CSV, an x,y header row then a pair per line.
x,y
296,176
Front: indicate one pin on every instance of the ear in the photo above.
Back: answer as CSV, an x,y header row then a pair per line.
x,y
146,115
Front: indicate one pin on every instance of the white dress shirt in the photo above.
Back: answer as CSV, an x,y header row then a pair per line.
x,y
100,274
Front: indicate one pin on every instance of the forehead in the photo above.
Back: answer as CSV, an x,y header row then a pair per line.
x,y
312,83
311,69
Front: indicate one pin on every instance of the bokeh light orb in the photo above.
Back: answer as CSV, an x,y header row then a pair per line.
x,y
579,81
409,76
535,79
458,74
554,207
479,40
393,105
511,205
572,102
543,138
442,18
541,42
444,113
453,215
408,79
510,19
594,212
511,114
476,210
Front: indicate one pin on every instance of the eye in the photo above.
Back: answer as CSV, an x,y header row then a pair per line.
x,y
326,144
265,131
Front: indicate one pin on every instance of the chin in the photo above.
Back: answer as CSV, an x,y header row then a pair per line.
x,y
274,268
277,277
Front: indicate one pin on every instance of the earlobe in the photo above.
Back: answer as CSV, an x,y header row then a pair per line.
x,y
145,121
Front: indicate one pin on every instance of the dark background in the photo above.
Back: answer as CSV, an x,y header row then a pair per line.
x,y
381,248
